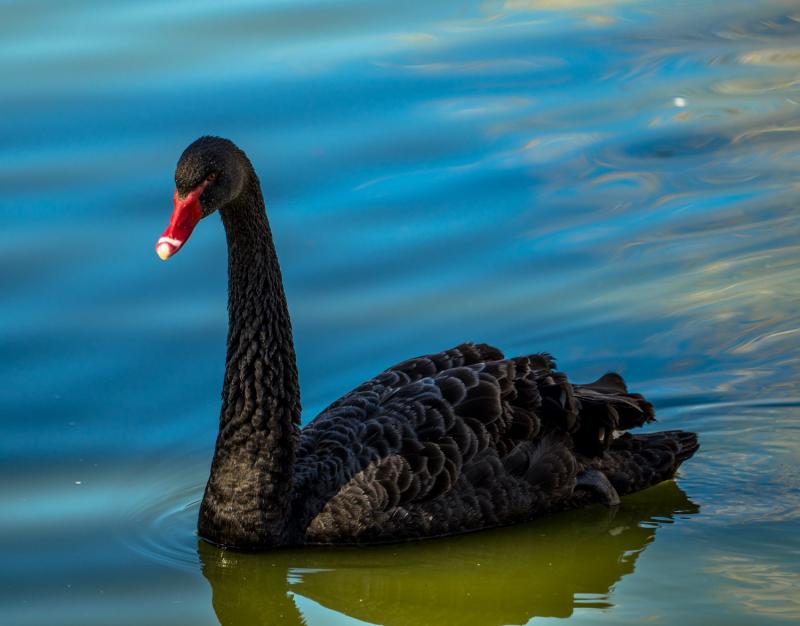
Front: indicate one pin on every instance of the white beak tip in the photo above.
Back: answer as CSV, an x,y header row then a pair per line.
x,y
163,251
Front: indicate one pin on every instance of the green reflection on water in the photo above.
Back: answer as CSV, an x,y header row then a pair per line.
x,y
546,568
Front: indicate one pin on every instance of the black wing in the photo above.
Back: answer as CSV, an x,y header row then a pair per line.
x,y
450,442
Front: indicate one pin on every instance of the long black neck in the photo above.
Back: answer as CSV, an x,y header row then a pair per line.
x,y
246,502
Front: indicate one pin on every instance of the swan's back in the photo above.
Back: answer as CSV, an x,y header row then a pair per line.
x,y
466,439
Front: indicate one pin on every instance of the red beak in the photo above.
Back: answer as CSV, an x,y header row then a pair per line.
x,y
185,216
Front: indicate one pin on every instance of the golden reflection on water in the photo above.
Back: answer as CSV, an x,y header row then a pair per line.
x,y
779,56
759,587
560,5
508,576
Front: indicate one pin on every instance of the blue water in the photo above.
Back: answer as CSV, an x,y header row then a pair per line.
x,y
613,182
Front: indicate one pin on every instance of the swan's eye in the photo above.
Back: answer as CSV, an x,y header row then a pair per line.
x,y
211,176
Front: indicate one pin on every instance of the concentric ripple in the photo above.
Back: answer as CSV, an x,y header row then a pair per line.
x,y
162,525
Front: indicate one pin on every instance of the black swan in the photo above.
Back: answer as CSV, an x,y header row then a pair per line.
x,y
452,442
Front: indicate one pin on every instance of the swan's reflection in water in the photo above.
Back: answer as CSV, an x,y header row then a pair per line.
x,y
507,576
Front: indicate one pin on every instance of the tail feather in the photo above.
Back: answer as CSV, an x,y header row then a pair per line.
x,y
636,462
606,406
609,383
595,416
688,444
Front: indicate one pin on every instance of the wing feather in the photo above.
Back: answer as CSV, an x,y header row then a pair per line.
x,y
454,441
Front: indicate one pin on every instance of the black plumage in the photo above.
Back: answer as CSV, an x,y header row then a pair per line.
x,y
447,443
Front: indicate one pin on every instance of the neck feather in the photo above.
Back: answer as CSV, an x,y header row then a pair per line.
x,y
246,503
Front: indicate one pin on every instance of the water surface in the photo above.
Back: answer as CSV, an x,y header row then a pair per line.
x,y
613,182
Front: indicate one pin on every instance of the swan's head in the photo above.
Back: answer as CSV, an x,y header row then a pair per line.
x,y
209,175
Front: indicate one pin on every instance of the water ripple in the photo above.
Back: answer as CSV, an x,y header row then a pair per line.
x,y
164,522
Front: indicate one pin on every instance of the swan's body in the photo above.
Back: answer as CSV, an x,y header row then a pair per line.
x,y
447,443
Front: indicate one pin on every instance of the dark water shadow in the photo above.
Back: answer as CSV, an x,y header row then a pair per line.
x,y
508,576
